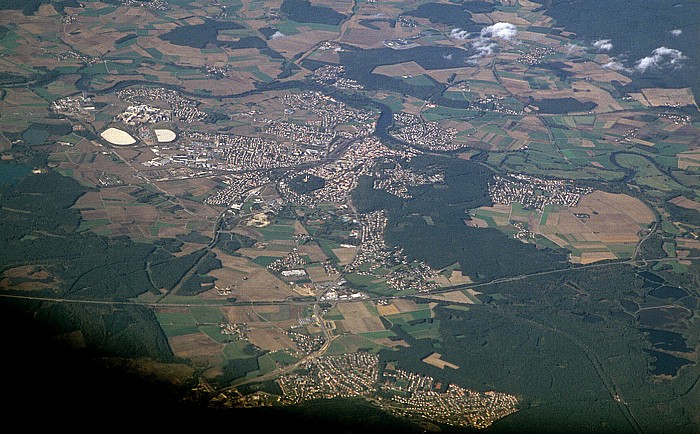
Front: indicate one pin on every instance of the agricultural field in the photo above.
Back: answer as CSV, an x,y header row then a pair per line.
x,y
601,225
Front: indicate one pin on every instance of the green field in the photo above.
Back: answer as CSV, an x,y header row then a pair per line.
x,y
89,224
172,330
352,343
237,350
277,232
647,174
206,314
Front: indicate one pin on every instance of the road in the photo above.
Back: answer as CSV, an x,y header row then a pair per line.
x,y
460,287
652,231
277,372
592,357
336,153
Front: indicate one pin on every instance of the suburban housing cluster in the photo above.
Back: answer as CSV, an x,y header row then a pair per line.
x,y
374,257
183,109
398,391
535,193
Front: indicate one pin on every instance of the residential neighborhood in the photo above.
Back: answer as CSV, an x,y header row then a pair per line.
x,y
395,390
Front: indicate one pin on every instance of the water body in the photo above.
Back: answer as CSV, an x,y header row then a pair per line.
x,y
663,316
668,292
666,340
648,275
666,364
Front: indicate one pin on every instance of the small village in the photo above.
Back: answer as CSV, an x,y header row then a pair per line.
x,y
534,193
535,56
426,135
333,75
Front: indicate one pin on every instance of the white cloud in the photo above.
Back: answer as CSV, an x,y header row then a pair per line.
x,y
603,45
485,44
277,34
677,32
505,31
459,34
659,58
616,65
484,47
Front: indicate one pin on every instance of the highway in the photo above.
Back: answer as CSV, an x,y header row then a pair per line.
x,y
315,301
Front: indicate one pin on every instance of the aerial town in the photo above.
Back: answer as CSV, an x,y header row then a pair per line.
x,y
334,75
238,188
534,193
374,255
397,179
306,343
341,176
158,5
281,144
426,135
183,109
290,265
73,106
535,56
395,390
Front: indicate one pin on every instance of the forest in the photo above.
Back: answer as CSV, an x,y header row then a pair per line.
x,y
454,15
39,227
563,343
483,253
302,11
